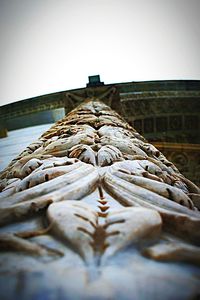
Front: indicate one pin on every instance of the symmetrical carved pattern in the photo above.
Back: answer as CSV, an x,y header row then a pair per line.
x,y
92,199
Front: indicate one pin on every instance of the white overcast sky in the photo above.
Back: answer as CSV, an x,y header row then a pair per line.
x,y
53,45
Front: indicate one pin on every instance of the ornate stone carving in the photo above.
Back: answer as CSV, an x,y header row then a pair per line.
x,y
93,211
185,157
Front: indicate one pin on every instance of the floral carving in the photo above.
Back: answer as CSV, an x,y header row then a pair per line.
x,y
95,189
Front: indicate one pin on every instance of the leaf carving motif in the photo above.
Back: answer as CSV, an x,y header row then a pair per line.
x,y
94,185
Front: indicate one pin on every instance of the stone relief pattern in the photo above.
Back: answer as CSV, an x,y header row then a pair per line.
x,y
97,186
152,106
188,163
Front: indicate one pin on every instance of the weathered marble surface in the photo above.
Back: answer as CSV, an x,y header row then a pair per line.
x,y
93,211
17,141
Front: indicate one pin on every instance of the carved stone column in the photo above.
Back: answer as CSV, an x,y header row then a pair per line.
x,y
93,211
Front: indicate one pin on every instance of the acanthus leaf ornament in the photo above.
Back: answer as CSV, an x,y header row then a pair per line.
x,y
97,199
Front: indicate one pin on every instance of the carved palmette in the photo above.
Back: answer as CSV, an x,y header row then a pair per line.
x,y
93,199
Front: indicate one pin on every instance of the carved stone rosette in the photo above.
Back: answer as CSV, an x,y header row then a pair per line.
x,y
93,211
